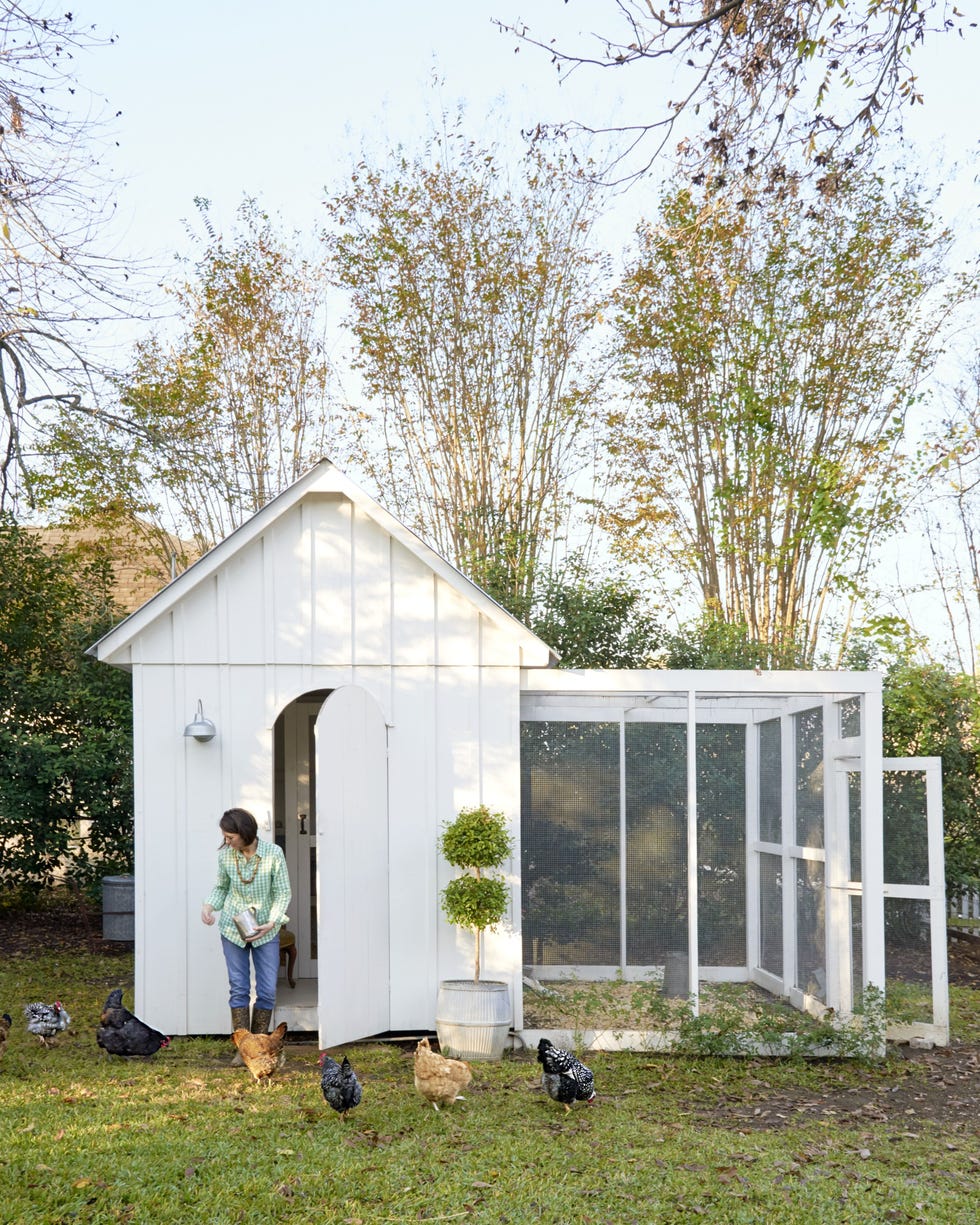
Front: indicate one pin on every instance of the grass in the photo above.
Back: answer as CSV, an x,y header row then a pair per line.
x,y
185,1138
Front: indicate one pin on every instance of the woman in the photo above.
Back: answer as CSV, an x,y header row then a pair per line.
x,y
252,876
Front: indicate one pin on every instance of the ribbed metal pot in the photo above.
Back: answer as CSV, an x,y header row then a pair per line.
x,y
473,1019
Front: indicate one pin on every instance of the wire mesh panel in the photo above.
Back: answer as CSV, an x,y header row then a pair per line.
x,y
854,823
808,729
770,781
656,842
910,942
721,843
570,807
857,946
850,717
906,832
908,961
811,942
771,913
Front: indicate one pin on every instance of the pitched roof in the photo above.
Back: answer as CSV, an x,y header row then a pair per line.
x,y
138,568
324,477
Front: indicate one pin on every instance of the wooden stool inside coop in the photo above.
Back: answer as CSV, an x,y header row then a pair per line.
x,y
287,953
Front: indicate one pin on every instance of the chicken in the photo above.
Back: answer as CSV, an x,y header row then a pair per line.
x,y
437,1078
121,1033
46,1020
262,1054
341,1088
565,1078
5,1024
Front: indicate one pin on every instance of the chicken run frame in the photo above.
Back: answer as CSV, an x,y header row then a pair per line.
x,y
359,690
732,827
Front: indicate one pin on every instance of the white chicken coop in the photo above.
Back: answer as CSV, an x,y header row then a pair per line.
x,y
354,691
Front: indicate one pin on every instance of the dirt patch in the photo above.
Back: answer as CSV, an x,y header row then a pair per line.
x,y
964,959
71,928
912,1088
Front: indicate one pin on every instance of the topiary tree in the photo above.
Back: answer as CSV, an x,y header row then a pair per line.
x,y
477,841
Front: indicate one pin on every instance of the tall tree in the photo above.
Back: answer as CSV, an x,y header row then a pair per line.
x,y
775,350
235,408
951,517
820,74
595,619
472,304
54,198
931,711
66,791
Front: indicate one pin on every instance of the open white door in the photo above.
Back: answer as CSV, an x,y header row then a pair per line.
x,y
915,899
353,992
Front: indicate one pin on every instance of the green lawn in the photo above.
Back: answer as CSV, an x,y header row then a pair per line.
x,y
186,1138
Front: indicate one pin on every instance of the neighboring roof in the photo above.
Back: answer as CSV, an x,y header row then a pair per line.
x,y
138,570
325,477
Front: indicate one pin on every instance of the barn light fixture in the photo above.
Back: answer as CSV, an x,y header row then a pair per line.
x,y
200,728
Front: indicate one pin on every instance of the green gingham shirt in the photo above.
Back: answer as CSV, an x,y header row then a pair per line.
x,y
269,892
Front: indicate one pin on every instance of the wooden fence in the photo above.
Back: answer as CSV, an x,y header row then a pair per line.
x,y
965,911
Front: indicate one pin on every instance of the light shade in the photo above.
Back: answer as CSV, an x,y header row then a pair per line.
x,y
200,728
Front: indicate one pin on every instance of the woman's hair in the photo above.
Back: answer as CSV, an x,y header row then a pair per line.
x,y
238,821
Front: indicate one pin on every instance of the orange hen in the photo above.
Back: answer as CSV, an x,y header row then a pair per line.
x,y
262,1054
437,1078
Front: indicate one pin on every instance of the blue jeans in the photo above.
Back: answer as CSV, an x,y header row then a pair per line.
x,y
265,958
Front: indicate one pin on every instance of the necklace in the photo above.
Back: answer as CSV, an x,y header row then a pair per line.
x,y
246,880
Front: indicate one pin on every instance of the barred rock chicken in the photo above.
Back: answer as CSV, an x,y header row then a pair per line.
x,y
46,1020
341,1088
5,1024
262,1054
122,1033
565,1078
437,1078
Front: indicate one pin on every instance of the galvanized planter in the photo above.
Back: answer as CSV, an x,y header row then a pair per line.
x,y
473,1019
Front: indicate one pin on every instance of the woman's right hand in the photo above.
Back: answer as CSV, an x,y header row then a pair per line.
x,y
207,915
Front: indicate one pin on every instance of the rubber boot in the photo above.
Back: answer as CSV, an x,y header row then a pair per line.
x,y
260,1020
239,1020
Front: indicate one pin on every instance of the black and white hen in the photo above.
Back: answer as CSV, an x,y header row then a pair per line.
x,y
122,1033
46,1020
565,1078
341,1088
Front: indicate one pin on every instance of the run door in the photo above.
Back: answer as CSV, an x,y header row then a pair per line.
x,y
353,994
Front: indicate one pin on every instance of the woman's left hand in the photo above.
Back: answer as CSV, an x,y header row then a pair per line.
x,y
261,930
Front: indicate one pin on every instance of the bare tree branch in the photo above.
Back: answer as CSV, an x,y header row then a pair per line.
x,y
757,76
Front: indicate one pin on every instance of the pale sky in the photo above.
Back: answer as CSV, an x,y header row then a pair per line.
x,y
222,97
225,97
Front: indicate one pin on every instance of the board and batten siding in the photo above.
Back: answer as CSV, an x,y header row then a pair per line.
x,y
325,596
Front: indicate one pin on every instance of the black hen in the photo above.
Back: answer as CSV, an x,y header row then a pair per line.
x,y
565,1078
341,1088
121,1033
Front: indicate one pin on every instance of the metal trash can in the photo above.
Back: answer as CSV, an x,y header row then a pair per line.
x,y
676,976
118,913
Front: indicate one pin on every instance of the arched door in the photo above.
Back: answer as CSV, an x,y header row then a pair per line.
x,y
353,993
